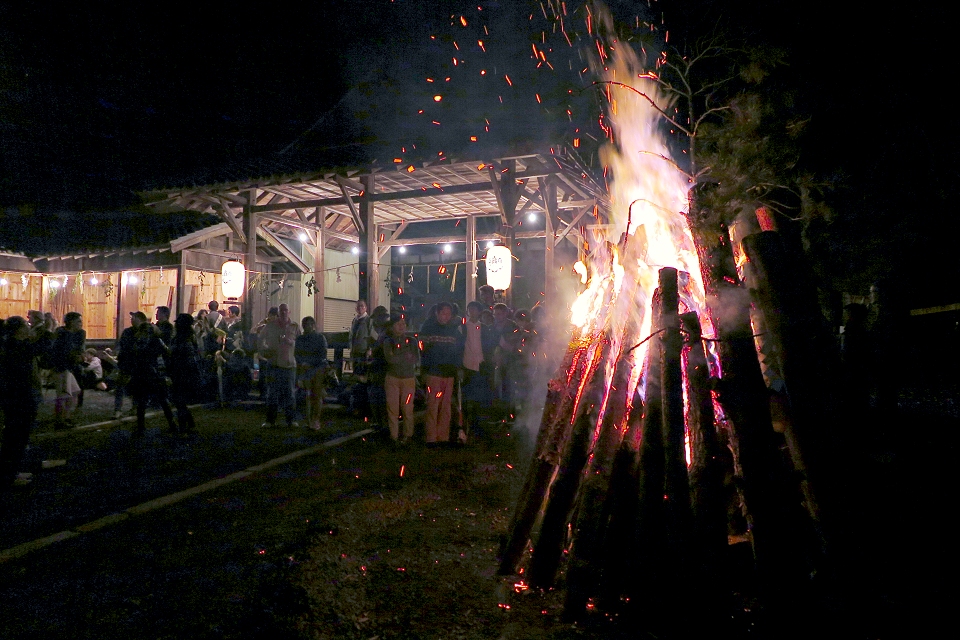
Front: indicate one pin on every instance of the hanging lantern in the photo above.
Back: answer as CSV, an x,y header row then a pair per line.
x,y
231,282
499,264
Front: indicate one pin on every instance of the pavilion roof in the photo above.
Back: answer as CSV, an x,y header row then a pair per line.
x,y
402,194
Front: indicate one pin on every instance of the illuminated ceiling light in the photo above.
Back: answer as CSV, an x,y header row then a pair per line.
x,y
3,282
132,280
447,247
532,217
437,98
231,279
94,282
54,284
303,237
355,250
401,249
490,244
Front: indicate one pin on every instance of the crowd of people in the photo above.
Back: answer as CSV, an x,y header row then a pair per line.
x,y
478,361
466,365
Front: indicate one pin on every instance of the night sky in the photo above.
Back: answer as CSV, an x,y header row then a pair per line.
x,y
96,104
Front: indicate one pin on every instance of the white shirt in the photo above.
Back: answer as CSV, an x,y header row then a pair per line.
x,y
472,347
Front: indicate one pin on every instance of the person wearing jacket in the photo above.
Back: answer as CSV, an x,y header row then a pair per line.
x,y
184,369
20,391
277,343
145,378
400,383
442,345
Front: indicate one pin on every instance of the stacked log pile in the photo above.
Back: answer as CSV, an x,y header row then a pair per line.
x,y
628,520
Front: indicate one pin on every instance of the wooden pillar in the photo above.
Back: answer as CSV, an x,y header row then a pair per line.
x,y
369,249
250,258
181,278
548,191
319,274
471,260
507,193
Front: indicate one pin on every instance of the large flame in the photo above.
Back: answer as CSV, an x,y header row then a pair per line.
x,y
647,191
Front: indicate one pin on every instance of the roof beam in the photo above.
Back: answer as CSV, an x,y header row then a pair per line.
x,y
309,226
425,191
278,244
573,224
354,212
184,242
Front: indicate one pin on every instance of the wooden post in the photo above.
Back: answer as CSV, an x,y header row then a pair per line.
x,y
471,247
250,259
676,492
709,539
181,280
548,191
744,398
370,259
794,335
319,274
548,551
650,534
507,193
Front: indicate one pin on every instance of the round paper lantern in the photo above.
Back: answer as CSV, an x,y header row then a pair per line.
x,y
499,267
231,282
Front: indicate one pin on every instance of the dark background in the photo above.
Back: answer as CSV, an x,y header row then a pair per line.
x,y
101,100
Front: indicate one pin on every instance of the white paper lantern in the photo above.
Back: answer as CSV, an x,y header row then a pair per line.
x,y
499,267
231,282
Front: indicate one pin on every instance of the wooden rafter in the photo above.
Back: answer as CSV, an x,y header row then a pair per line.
x,y
279,245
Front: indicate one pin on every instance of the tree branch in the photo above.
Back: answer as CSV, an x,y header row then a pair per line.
x,y
663,113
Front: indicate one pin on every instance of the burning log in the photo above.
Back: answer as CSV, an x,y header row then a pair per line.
x,y
709,540
548,550
792,331
564,393
744,398
676,490
650,508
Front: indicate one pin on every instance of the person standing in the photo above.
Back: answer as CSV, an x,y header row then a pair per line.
x,y
184,370
311,356
277,342
145,379
442,354
67,358
360,338
164,326
400,383
20,391
124,353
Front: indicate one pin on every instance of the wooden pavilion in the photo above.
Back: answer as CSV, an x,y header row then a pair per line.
x,y
366,211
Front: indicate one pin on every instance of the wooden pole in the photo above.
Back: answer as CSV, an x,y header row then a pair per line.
x,y
647,593
370,260
744,398
548,551
794,336
676,488
319,273
709,540
471,247
250,260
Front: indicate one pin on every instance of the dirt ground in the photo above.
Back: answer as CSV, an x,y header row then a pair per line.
x,y
367,541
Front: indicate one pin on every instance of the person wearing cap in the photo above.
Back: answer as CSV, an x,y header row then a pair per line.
x,y
125,346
